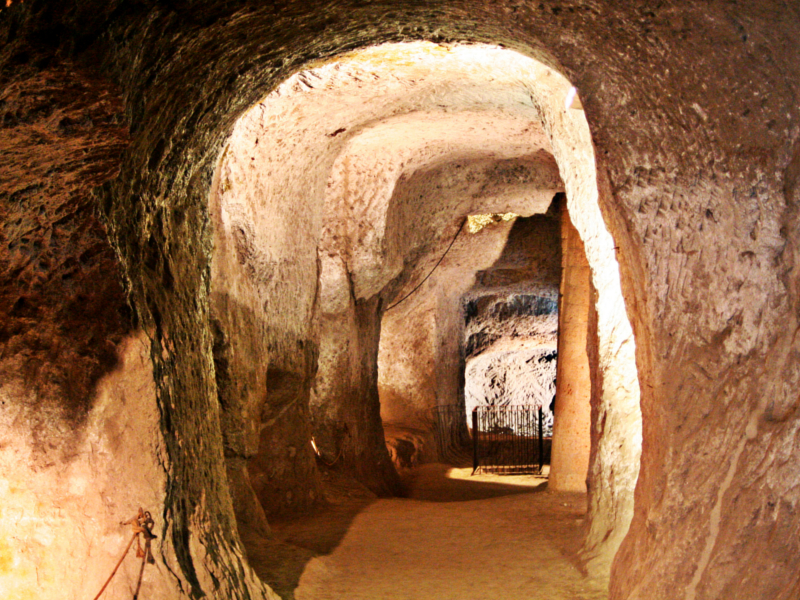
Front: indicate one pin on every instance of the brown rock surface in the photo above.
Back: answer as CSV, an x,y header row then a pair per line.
x,y
62,305
693,114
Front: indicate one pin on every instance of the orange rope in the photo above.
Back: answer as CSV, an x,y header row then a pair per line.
x,y
142,524
119,562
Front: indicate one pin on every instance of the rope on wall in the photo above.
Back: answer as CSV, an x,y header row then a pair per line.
x,y
142,525
432,270
322,459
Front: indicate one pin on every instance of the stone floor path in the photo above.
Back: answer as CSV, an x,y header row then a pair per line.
x,y
455,537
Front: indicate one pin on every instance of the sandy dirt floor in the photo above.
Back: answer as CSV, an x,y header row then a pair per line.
x,y
455,537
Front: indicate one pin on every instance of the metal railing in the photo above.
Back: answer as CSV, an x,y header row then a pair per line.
x,y
508,439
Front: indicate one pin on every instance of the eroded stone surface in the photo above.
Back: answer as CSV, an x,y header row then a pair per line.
x,y
511,320
421,153
693,115
510,376
424,343
62,305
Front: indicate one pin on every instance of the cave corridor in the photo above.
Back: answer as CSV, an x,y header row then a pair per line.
x,y
239,274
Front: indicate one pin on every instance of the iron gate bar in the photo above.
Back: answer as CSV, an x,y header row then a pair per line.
x,y
504,439
541,441
475,444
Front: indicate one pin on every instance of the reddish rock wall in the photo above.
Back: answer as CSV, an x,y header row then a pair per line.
x,y
693,115
62,305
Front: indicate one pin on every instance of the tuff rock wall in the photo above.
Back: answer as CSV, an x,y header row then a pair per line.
x,y
693,115
511,319
423,340
419,155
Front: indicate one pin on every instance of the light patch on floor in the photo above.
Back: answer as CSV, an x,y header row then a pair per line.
x,y
529,481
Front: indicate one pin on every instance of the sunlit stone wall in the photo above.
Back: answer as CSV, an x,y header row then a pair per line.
x,y
571,431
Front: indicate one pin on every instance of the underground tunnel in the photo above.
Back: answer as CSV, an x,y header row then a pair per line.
x,y
396,174
239,281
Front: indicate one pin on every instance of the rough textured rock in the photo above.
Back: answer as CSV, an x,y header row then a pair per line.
x,y
409,448
162,279
511,319
531,259
506,316
62,304
498,286
511,375
396,185
420,360
423,340
65,489
347,410
693,115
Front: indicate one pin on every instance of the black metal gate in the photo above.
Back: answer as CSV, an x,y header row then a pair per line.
x,y
508,439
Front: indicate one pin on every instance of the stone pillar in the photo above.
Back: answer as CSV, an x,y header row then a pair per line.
x,y
345,407
569,463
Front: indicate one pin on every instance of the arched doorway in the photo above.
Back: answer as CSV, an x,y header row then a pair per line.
x,y
349,151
